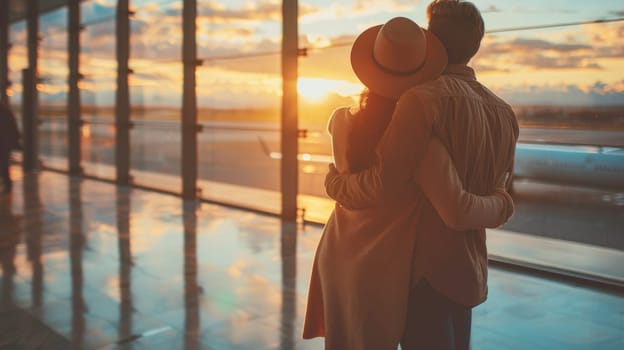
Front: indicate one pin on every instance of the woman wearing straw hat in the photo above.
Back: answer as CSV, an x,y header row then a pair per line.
x,y
361,274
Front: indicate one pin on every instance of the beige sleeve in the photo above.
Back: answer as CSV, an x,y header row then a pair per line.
x,y
338,126
399,153
459,209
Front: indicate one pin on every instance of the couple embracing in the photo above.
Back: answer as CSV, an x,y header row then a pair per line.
x,y
421,168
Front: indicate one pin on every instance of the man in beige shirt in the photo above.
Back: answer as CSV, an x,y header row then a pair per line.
x,y
479,130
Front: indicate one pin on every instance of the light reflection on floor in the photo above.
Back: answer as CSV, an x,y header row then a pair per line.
x,y
89,265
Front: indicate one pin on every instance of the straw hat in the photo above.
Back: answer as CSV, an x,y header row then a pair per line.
x,y
391,58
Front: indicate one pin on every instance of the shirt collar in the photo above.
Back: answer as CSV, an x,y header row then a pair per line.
x,y
461,71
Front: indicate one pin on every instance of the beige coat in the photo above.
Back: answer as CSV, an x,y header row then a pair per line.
x,y
361,273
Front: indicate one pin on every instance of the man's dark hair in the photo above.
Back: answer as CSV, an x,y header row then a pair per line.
x,y
459,25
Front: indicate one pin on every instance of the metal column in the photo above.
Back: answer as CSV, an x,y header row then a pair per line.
x,y
192,301
289,127
123,210
30,100
288,331
189,101
4,51
122,97
76,248
74,121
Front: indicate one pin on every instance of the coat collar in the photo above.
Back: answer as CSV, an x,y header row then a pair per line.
x,y
461,71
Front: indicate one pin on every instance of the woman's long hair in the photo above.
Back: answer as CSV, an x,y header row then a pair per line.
x,y
369,124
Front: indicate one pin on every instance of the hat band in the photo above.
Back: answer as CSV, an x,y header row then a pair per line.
x,y
396,72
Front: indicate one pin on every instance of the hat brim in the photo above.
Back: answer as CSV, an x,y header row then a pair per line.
x,y
385,83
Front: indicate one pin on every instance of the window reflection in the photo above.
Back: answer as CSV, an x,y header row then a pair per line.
x,y
156,94
97,89
289,286
10,225
33,211
123,208
564,84
76,247
191,288
52,89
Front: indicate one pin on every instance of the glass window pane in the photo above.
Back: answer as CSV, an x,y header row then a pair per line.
x,y
563,77
566,89
52,87
156,94
326,82
98,64
565,83
239,96
18,60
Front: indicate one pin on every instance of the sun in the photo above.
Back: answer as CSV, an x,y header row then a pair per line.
x,y
318,89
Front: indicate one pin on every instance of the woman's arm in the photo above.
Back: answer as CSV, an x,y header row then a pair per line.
x,y
459,209
338,127
399,153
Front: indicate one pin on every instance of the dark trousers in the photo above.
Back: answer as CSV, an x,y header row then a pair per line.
x,y
434,322
5,159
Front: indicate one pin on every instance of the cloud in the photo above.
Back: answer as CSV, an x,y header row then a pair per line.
x,y
54,19
605,34
229,33
259,48
543,45
92,11
344,38
254,27
617,13
610,52
491,9
557,62
159,39
358,9
222,31
263,10
490,68
541,10
98,41
155,76
597,93
362,6
605,38
516,53
491,46
156,30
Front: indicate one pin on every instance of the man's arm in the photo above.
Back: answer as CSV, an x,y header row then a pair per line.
x,y
459,209
399,151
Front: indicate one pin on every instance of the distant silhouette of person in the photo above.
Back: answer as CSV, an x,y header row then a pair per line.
x,y
10,232
361,276
448,267
9,140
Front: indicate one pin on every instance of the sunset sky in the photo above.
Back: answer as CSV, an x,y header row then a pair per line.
x,y
582,64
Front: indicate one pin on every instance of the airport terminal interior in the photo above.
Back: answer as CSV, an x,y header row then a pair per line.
x,y
169,190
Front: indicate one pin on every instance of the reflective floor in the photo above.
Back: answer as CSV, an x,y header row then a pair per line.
x,y
89,265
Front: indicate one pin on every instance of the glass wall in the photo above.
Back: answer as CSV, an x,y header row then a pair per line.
x,y
322,88
98,66
565,85
156,93
561,73
52,86
18,60
239,96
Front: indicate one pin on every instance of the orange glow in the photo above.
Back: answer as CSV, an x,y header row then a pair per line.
x,y
317,89
86,131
